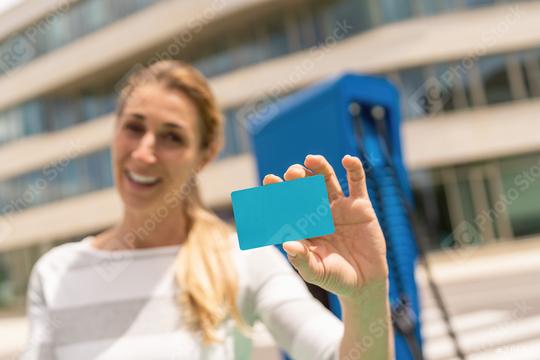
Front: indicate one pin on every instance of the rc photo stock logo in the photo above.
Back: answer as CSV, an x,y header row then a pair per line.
x,y
14,52
286,233
255,114
462,241
121,84
303,227
431,96
113,265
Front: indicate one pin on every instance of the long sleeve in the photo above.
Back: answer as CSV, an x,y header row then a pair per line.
x,y
39,342
299,323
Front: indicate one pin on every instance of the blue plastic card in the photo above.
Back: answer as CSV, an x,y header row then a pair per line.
x,y
275,213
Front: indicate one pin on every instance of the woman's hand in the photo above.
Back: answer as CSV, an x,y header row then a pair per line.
x,y
354,256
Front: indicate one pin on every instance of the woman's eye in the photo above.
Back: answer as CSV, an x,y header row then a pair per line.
x,y
173,138
134,128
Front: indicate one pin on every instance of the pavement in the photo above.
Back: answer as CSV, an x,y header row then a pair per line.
x,y
491,292
493,297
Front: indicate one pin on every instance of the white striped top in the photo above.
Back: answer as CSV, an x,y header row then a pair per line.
x,y
87,303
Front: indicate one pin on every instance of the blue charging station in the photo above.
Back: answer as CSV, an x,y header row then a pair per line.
x,y
357,115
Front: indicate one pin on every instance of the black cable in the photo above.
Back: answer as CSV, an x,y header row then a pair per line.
x,y
403,318
417,225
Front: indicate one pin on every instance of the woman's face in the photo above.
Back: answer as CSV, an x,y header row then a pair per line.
x,y
156,146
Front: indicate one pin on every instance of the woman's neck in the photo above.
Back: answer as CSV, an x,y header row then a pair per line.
x,y
145,230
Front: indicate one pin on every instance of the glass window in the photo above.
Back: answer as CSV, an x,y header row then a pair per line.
x,y
4,128
516,76
90,107
32,114
82,18
16,51
95,104
432,205
494,73
477,3
58,31
11,125
452,79
315,9
221,60
521,184
248,50
94,170
39,195
431,7
97,14
70,183
468,209
56,117
121,7
76,21
106,161
64,178
306,28
143,3
414,93
530,61
99,165
40,41
427,7
236,136
340,15
276,37
317,21
395,10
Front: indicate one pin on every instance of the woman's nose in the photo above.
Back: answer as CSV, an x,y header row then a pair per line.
x,y
145,151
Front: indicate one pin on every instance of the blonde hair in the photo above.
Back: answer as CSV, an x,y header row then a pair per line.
x,y
205,270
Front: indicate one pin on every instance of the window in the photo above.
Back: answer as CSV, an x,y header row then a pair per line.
x,y
14,52
520,176
530,62
452,79
478,3
494,73
32,115
61,28
431,203
59,31
395,10
306,28
276,37
245,50
414,92
11,125
63,179
355,14
221,59
63,112
97,14
432,7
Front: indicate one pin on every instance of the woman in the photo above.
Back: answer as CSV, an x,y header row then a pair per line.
x,y
169,282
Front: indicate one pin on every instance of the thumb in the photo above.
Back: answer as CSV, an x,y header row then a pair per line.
x,y
299,256
295,248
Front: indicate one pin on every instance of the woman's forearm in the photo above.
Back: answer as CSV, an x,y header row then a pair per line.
x,y
368,327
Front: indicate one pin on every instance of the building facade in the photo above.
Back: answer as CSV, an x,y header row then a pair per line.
x,y
468,72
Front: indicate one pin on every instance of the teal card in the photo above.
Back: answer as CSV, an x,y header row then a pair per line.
x,y
275,213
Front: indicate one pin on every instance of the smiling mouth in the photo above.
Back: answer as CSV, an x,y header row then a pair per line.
x,y
140,179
